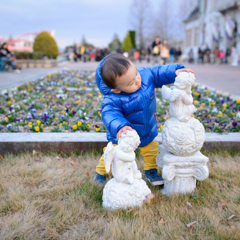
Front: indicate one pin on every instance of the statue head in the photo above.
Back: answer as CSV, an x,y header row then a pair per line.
x,y
129,142
184,79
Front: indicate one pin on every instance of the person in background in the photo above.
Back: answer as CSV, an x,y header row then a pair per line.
x,y
82,53
98,55
136,55
217,55
76,52
132,52
222,56
190,56
207,52
200,55
228,54
164,52
172,52
149,51
156,51
140,54
8,57
179,54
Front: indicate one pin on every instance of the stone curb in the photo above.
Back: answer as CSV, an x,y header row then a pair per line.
x,y
16,142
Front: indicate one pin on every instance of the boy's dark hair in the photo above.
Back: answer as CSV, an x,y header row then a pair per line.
x,y
114,65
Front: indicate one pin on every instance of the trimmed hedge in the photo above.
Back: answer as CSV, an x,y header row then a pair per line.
x,y
30,55
45,43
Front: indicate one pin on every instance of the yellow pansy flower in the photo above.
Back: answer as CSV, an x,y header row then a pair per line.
x,y
37,128
60,124
238,101
161,126
224,105
75,127
9,102
63,112
38,121
88,125
6,119
97,129
79,124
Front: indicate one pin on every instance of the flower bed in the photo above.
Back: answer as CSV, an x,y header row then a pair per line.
x,y
69,101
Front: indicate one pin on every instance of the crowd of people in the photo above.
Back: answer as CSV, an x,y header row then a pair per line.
x,y
157,53
206,55
85,54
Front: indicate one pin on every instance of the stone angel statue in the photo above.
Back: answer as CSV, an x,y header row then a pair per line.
x,y
122,157
181,100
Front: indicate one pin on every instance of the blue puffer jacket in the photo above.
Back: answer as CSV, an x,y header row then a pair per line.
x,y
135,109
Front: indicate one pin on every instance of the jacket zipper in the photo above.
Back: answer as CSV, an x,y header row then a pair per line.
x,y
145,108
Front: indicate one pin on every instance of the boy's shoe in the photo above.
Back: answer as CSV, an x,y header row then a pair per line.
x,y
153,177
100,179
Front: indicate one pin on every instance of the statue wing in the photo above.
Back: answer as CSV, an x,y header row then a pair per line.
x,y
166,93
169,94
108,156
175,94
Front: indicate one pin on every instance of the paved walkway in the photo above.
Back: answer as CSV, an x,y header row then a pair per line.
x,y
222,77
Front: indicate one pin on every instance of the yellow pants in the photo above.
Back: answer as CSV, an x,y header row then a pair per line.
x,y
148,152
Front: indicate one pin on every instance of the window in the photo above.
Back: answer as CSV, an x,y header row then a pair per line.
x,y
196,36
188,38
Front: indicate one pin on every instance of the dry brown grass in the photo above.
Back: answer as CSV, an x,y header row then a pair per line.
x,y
37,203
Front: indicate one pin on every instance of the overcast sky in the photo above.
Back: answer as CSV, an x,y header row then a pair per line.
x,y
97,20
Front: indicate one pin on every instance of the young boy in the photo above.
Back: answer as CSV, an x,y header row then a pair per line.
x,y
129,104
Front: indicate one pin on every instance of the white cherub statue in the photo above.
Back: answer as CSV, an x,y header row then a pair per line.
x,y
126,189
122,157
181,100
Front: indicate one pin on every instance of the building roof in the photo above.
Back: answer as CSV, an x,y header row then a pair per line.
x,y
194,13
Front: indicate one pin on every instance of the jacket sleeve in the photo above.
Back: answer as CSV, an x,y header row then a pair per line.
x,y
164,74
112,116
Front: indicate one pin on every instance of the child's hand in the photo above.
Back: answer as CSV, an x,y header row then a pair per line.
x,y
124,129
184,70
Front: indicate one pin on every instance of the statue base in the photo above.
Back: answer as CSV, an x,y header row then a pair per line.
x,y
117,195
180,173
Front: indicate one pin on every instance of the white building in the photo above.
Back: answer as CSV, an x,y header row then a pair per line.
x,y
213,23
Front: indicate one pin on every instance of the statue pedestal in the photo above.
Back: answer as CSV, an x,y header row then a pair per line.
x,y
180,173
118,195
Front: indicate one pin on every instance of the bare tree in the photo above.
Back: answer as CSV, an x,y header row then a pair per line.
x,y
139,17
186,7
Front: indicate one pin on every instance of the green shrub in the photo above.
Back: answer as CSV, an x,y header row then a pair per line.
x,y
133,38
127,43
45,43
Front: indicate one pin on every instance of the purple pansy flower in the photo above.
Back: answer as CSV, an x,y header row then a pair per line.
x,y
234,124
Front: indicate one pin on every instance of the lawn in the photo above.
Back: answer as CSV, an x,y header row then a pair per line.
x,y
69,101
52,196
